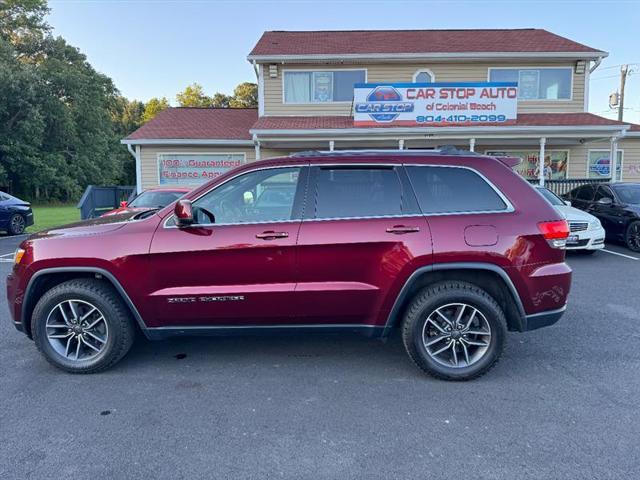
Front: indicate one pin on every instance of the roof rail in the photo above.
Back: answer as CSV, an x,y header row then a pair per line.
x,y
445,150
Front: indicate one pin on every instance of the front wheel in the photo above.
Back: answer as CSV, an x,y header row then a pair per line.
x,y
632,236
454,331
82,326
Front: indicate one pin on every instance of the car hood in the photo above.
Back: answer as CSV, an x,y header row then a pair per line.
x,y
574,214
121,210
93,226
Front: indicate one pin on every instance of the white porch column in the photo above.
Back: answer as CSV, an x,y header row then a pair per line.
x,y
613,158
472,144
257,147
543,142
331,145
401,144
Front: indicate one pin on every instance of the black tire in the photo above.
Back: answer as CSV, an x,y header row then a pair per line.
x,y
17,224
121,331
438,295
632,236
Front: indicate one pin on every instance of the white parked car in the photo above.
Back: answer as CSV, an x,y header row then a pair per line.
x,y
586,230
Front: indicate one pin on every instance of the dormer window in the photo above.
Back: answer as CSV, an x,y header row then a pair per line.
x,y
424,76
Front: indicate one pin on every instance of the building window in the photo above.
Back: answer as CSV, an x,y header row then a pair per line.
x,y
599,165
555,163
536,83
321,86
424,76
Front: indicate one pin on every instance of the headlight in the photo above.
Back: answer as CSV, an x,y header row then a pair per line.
x,y
17,257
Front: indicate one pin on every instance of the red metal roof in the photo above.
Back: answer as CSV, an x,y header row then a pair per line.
x,y
199,123
414,41
338,122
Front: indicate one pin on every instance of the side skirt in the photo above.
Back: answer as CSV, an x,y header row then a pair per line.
x,y
160,333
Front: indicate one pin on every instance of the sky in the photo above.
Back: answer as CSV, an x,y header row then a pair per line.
x,y
156,48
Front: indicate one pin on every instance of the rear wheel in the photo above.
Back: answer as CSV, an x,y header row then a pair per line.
x,y
632,236
454,331
17,224
82,326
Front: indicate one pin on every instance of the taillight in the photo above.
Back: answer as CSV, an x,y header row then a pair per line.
x,y
555,233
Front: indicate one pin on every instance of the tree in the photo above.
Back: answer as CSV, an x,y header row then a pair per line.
x,y
220,100
153,107
193,96
20,19
60,121
245,95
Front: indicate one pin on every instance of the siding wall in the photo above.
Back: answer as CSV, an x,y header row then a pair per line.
x,y
391,72
577,167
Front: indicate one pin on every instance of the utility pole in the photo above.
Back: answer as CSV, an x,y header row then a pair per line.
x,y
624,71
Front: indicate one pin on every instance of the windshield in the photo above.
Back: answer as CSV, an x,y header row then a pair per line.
x,y
155,199
628,193
551,197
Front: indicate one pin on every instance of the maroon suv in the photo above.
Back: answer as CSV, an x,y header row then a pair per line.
x,y
452,248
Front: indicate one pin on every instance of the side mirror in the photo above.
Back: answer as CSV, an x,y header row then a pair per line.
x,y
184,213
567,203
605,201
123,204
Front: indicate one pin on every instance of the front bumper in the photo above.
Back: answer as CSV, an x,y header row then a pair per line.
x,y
588,240
28,218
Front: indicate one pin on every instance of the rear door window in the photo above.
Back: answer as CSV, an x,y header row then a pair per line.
x,y
354,192
453,190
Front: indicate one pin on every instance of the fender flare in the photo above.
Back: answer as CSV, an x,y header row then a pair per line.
x,y
392,319
96,270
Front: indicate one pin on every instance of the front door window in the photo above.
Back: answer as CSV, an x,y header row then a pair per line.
x,y
261,196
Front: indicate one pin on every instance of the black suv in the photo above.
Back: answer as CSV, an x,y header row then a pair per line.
x,y
617,206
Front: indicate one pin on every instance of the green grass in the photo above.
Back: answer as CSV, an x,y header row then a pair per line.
x,y
49,216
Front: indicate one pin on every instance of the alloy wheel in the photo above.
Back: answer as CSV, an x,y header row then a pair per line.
x,y
633,237
456,335
77,330
17,224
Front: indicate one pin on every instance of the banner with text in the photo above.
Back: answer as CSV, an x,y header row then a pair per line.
x,y
435,104
195,168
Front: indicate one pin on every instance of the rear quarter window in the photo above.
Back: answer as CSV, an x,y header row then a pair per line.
x,y
453,190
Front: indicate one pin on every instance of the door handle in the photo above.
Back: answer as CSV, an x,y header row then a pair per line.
x,y
401,229
270,235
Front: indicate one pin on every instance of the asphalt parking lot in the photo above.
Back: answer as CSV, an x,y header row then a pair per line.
x,y
562,403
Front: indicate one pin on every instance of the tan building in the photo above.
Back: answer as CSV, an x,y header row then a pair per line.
x,y
334,90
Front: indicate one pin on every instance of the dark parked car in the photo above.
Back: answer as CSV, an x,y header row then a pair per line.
x,y
454,249
15,214
616,205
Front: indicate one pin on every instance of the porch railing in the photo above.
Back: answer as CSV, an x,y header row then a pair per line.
x,y
560,187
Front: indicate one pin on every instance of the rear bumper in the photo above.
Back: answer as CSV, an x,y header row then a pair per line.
x,y
543,319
